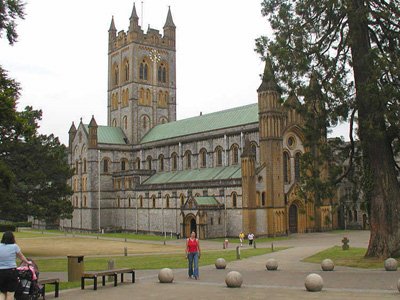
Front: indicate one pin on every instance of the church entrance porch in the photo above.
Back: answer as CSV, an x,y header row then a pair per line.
x,y
189,225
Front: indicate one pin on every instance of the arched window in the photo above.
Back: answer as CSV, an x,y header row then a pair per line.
x,y
141,96
129,202
297,166
147,98
153,198
140,201
182,198
123,164
84,201
106,165
218,154
114,123
167,201
76,167
149,159
138,163
253,147
188,159
263,199
145,122
114,101
125,97
235,154
203,158
162,74
143,70
115,74
234,199
126,69
161,162
174,158
286,167
84,169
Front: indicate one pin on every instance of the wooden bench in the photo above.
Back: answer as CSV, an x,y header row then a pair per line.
x,y
114,273
55,281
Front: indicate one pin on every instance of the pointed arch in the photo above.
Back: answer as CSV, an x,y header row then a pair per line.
x,y
235,154
115,74
203,158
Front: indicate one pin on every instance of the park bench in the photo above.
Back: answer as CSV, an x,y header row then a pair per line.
x,y
93,275
55,281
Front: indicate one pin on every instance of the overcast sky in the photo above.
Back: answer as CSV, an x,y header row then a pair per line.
x,y
60,57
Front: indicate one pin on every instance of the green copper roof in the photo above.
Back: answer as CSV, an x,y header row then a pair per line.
x,y
206,174
109,135
206,201
223,119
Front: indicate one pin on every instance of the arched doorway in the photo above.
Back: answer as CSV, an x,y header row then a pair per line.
x,y
293,218
190,225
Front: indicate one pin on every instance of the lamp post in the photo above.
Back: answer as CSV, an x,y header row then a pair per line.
x,y
99,193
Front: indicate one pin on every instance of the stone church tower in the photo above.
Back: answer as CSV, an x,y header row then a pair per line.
x,y
272,120
141,78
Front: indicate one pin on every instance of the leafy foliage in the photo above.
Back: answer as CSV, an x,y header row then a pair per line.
x,y
342,58
10,10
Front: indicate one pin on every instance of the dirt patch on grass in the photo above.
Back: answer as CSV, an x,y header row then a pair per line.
x,y
63,246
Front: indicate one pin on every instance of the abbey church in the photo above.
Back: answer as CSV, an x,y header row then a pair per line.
x,y
217,174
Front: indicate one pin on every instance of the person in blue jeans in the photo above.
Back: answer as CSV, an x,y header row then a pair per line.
x,y
193,255
8,273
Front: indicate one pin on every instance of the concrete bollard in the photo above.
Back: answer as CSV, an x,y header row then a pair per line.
x,y
238,252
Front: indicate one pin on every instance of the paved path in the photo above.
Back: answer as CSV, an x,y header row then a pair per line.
x,y
286,283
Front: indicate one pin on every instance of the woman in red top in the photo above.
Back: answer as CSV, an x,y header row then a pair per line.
x,y
193,255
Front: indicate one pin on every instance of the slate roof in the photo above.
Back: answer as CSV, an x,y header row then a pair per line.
x,y
237,116
109,135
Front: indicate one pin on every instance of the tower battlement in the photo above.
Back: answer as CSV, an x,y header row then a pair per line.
x,y
135,34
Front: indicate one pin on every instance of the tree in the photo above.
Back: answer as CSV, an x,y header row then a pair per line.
x,y
354,48
9,11
39,168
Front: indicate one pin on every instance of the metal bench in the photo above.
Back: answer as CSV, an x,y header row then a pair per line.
x,y
93,275
55,281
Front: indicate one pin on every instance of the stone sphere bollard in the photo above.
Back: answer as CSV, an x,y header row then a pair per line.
x,y
314,282
272,264
166,275
327,265
233,279
391,264
220,263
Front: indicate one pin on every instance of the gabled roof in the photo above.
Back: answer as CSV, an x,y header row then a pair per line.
x,y
237,116
109,135
204,174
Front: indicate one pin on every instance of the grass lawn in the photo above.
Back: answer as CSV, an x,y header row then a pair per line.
x,y
128,236
354,257
142,262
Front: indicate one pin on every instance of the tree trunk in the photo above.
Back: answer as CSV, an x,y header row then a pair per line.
x,y
384,188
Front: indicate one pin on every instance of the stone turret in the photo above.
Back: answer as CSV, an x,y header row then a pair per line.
x,y
71,134
249,216
93,133
169,30
112,34
134,20
272,122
